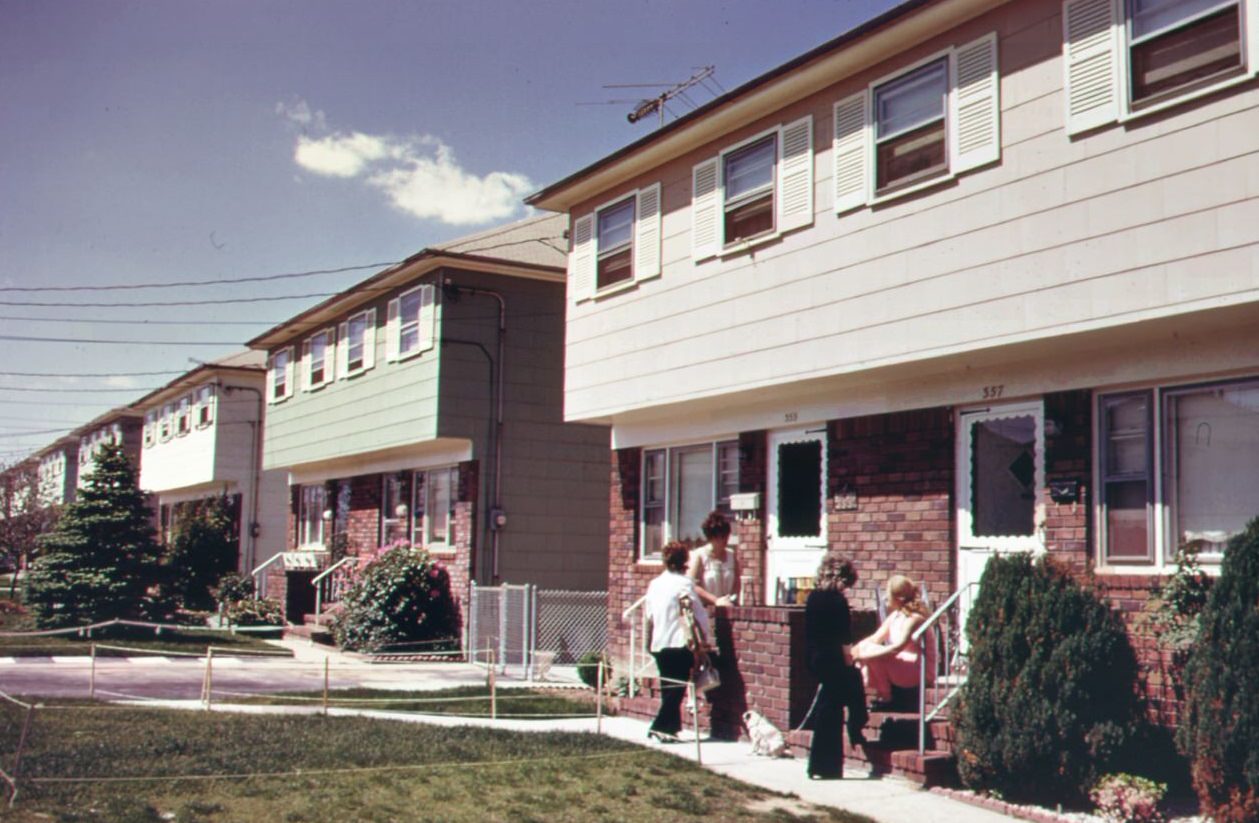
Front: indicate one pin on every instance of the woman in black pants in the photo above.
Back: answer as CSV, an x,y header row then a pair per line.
x,y
669,638
828,636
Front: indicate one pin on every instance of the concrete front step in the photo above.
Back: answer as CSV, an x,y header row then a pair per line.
x,y
319,634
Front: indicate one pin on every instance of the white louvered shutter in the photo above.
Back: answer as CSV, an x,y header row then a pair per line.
x,y
850,151
271,371
1090,56
343,350
428,317
290,372
581,260
306,366
706,230
330,371
975,117
647,233
393,331
1251,13
795,174
369,340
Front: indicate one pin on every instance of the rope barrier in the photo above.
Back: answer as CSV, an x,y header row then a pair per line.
x,y
637,752
157,627
14,700
334,699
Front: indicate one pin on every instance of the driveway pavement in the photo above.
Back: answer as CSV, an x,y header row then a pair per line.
x,y
177,682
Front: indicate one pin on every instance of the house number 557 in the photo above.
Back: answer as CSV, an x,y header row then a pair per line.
x,y
993,392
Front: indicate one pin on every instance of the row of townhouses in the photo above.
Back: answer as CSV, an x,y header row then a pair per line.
x,y
976,277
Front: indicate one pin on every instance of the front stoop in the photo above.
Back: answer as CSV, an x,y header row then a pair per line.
x,y
314,627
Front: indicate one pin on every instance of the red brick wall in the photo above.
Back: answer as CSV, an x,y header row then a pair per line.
x,y
1068,457
363,523
750,528
900,467
1131,595
627,579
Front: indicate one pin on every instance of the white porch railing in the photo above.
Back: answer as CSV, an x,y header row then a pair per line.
x,y
260,583
329,585
944,629
640,659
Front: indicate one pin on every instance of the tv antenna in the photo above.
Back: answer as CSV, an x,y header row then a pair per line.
x,y
658,105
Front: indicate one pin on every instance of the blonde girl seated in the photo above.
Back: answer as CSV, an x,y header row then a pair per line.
x,y
890,657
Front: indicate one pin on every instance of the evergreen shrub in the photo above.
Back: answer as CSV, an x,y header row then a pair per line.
x,y
1220,728
202,549
1050,701
403,596
588,669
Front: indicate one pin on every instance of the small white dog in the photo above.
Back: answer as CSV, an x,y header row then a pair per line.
x,y
767,740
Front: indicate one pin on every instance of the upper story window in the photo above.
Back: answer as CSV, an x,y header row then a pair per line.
x,y
356,346
680,486
1174,46
1205,440
280,375
1167,50
924,124
753,190
909,127
317,360
412,323
150,427
616,244
205,406
749,190
184,420
166,423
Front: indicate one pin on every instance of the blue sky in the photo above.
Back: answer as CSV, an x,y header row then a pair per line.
x,y
156,141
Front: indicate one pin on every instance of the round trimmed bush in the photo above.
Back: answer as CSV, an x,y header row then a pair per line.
x,y
403,596
588,669
1050,700
1220,728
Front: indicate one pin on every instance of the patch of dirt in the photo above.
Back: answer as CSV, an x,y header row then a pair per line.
x,y
791,805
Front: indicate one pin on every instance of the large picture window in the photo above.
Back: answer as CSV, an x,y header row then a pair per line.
x,y
680,486
1205,439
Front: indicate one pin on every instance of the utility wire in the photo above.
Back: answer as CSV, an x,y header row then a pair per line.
x,y
25,433
100,375
182,283
145,322
153,303
124,342
73,391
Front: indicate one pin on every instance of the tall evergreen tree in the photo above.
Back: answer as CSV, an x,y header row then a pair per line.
x,y
102,558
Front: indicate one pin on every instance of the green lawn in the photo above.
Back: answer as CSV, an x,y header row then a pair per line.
x,y
169,640
356,769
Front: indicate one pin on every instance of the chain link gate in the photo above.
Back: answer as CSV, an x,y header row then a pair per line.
x,y
529,629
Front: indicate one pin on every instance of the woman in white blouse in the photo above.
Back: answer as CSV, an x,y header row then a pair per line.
x,y
671,638
714,567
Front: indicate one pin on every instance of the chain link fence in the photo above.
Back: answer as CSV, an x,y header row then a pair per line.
x,y
530,629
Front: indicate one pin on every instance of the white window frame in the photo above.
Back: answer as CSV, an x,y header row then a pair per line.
x,y
150,428
1163,521
366,344
386,516
425,327
645,239
947,173
205,406
922,178
422,534
183,423
1105,476
728,205
313,496
670,503
326,369
600,253
1097,64
278,369
166,422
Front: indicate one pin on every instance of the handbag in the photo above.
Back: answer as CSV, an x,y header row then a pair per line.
x,y
704,674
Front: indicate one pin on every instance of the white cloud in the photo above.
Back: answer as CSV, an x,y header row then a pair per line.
x,y
419,175
298,111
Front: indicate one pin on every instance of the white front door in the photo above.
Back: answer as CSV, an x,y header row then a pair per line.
x,y
1000,474
796,509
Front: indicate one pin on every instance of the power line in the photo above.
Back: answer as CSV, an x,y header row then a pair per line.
x,y
97,375
145,322
72,391
159,303
182,283
123,342
25,433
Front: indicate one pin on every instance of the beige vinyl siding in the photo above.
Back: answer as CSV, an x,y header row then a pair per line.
x,y
555,475
1062,235
390,405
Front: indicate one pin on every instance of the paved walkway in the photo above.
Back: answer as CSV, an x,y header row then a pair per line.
x,y
886,799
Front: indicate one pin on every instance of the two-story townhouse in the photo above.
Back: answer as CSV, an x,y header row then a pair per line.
x,y
59,471
425,404
123,425
202,437
978,276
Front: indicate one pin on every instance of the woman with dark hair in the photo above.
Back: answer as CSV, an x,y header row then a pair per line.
x,y
670,635
827,637
714,567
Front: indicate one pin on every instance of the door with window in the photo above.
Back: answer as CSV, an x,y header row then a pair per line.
x,y
796,508
1000,472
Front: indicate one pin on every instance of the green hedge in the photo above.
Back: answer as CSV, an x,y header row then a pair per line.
x,y
401,597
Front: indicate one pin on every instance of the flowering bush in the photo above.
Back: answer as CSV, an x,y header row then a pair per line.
x,y
1126,798
400,596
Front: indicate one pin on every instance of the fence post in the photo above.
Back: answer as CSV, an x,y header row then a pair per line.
x,y
21,746
502,625
91,685
209,677
325,687
529,641
599,698
493,686
471,644
699,757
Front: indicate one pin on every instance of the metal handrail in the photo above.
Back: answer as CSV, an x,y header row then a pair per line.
x,y
633,644
260,590
928,625
319,578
